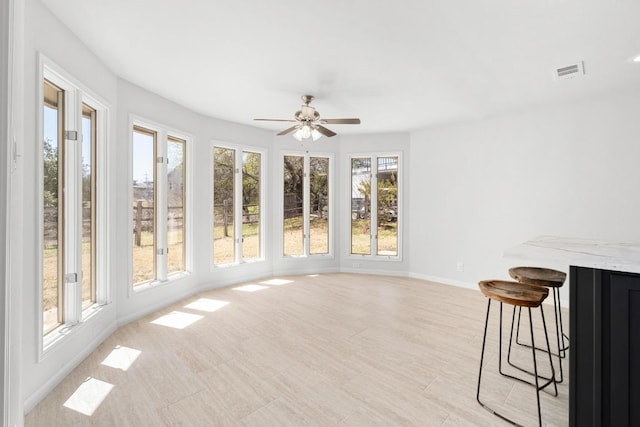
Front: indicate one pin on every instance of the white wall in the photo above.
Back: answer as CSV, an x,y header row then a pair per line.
x,y
14,408
133,100
5,137
44,33
469,191
482,187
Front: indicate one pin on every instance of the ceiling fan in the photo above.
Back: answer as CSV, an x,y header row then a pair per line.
x,y
309,124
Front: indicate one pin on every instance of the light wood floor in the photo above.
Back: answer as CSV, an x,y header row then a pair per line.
x,y
331,349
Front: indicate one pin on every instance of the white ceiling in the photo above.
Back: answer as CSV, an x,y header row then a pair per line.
x,y
399,65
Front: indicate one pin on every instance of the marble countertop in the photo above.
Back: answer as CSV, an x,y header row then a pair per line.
x,y
617,256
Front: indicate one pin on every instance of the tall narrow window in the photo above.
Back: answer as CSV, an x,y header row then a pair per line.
x,y
361,206
144,197
388,206
73,125
374,205
176,204
293,205
224,160
251,200
237,205
306,205
159,211
53,203
89,136
319,205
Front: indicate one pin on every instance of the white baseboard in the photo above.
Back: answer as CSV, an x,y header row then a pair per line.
x,y
444,281
46,388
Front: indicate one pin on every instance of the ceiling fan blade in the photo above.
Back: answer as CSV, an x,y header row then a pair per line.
x,y
341,121
275,120
289,130
326,132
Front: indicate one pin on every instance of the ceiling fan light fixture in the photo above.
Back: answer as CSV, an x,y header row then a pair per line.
x,y
298,134
305,131
315,134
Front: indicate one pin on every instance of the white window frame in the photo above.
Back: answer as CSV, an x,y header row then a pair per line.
x,y
374,206
305,206
162,134
237,195
75,95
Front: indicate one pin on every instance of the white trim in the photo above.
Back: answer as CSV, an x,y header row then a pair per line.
x,y
239,150
374,156
34,398
6,134
306,229
75,94
103,259
162,134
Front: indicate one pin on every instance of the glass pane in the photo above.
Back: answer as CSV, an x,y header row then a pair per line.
x,y
224,160
361,206
319,205
388,206
251,175
144,238
88,206
175,205
53,119
293,203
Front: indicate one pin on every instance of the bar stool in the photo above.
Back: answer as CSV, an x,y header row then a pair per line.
x,y
552,279
518,295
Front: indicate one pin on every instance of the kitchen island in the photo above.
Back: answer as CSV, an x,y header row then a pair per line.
x,y
604,314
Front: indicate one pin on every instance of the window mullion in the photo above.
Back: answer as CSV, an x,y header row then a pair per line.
x,y
72,209
306,194
161,209
237,206
374,206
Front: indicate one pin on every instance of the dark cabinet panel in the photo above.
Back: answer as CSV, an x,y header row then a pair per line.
x,y
625,350
604,388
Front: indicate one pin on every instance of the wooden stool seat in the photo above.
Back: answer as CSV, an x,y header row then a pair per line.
x,y
513,293
538,276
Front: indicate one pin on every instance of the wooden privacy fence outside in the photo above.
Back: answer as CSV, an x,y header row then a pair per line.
x,y
143,219
223,214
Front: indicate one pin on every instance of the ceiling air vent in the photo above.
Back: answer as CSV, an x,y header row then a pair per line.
x,y
569,71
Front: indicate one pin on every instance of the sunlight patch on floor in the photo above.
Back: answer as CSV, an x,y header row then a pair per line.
x,y
177,320
277,282
250,288
206,304
121,358
88,397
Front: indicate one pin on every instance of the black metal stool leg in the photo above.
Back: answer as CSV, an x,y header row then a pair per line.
x,y
535,368
560,337
484,340
537,377
546,337
556,309
565,346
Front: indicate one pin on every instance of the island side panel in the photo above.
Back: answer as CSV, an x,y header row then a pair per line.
x,y
584,286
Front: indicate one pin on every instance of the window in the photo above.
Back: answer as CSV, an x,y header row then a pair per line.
x,y
89,134
374,205
237,205
144,198
176,198
73,126
159,211
306,205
